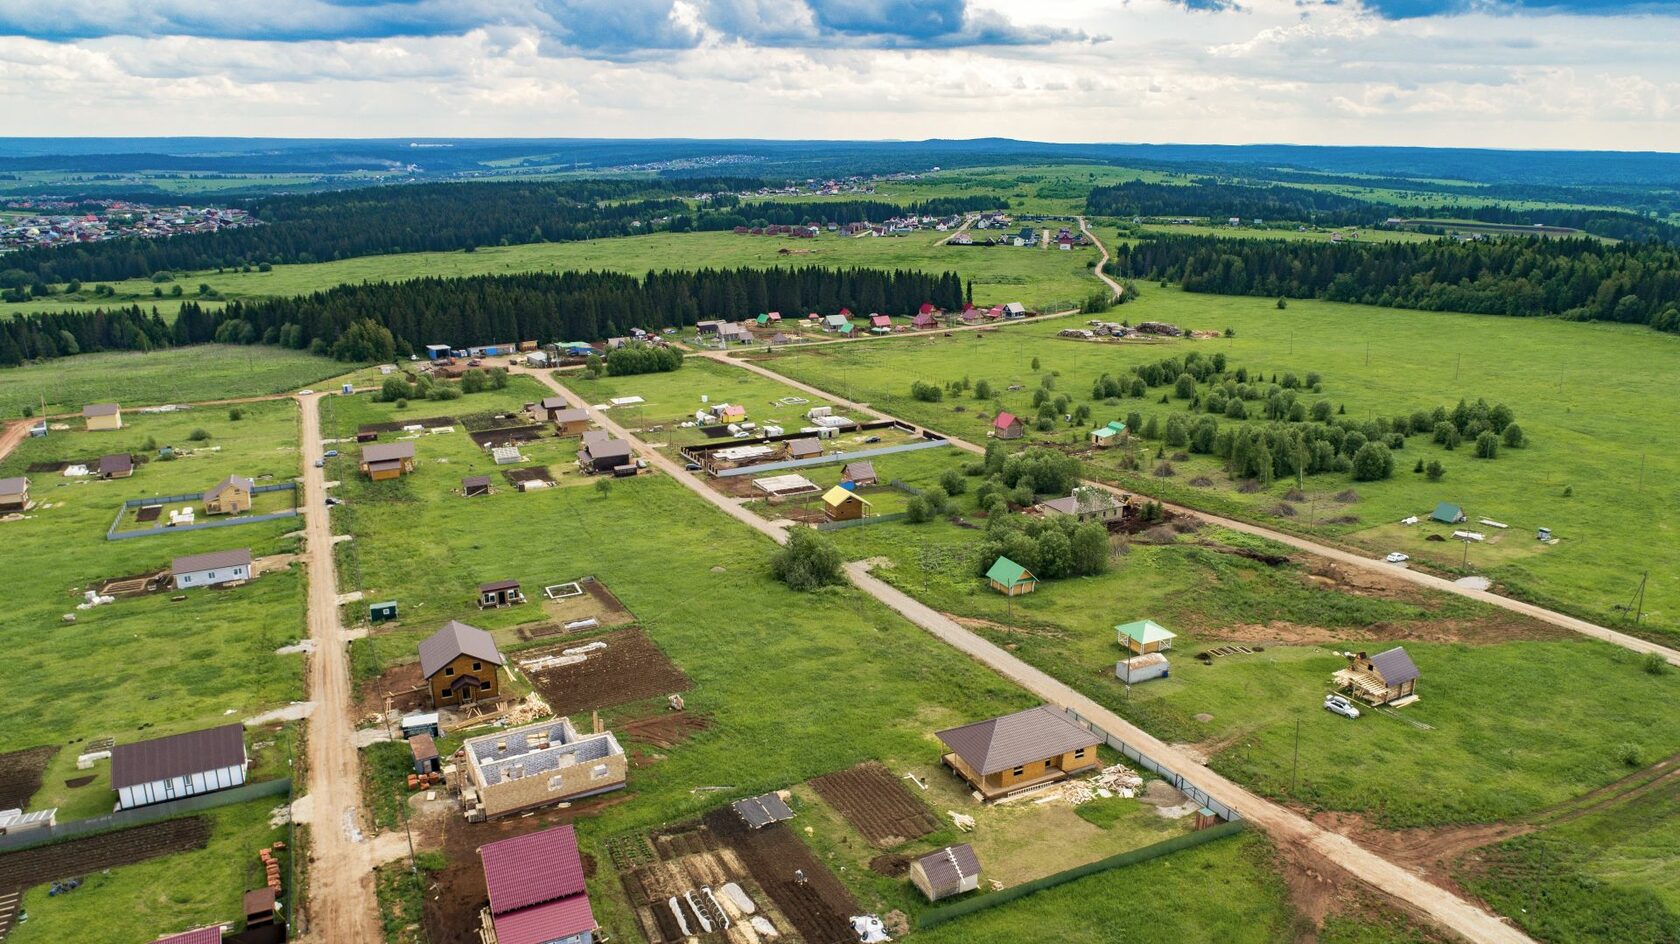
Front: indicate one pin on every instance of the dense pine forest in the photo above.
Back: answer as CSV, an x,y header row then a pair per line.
x,y
569,306
1578,279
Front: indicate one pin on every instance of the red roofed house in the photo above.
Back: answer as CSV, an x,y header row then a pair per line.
x,y
924,320
537,894
926,309
880,321
1008,426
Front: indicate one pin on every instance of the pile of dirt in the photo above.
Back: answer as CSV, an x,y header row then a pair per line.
x,y
1248,486
1348,497
1283,510
1165,471
1295,495
1343,519
892,865
1201,481
75,782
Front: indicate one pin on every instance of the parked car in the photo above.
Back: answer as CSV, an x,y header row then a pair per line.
x,y
873,439
1397,558
1339,704
305,392
320,463
331,453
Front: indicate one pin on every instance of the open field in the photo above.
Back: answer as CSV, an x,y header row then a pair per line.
x,y
1364,234
1589,397
672,398
181,375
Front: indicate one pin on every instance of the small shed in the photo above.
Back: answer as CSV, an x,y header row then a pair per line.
x,y
1386,677
475,485
1141,668
841,504
951,871
1010,578
382,612
259,907
423,723
1110,435
861,472
809,447
14,494
1145,636
1447,513
1007,425
102,416
570,421
424,749
118,465
499,593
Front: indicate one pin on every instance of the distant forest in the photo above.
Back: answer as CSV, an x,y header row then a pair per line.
x,y
1211,198
1577,279
841,212
567,306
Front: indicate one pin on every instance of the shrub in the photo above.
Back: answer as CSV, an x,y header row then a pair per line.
x,y
1282,303
926,392
1487,445
1655,664
1373,461
1513,437
199,435
235,415
917,510
1630,754
982,390
952,482
1435,470
807,562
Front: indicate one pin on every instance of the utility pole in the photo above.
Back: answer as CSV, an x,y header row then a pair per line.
x,y
1295,765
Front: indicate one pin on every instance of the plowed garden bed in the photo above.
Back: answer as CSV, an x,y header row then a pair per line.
x,y
631,668
877,804
77,857
20,775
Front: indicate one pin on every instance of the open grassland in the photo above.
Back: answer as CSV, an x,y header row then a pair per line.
x,y
1596,401
146,665
672,398
177,375
1358,233
1047,190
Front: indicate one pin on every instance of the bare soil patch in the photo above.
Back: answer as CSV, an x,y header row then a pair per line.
x,y
890,864
819,906
877,804
402,683
535,473
508,435
77,857
667,730
75,782
20,775
631,668
430,422
678,863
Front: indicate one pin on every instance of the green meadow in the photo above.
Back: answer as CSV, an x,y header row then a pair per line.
x,y
176,375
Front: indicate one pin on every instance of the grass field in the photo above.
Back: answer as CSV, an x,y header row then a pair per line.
x,y
181,375
672,398
1595,402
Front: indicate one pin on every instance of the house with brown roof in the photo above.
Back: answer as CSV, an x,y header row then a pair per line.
x,y
499,593
1386,677
950,871
809,447
1007,425
209,570
524,768
180,765
14,494
603,454
543,410
100,416
536,886
1005,755
230,496
118,465
860,473
569,421
460,665
383,461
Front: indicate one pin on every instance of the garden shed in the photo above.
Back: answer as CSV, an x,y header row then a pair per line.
x,y
1010,578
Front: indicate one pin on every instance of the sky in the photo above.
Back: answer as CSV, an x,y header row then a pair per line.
x,y
1579,74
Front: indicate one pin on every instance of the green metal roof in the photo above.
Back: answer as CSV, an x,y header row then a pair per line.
x,y
1447,512
1117,426
1102,432
1008,573
1145,631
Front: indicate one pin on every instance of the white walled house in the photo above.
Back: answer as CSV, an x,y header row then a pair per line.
x,y
204,570
181,765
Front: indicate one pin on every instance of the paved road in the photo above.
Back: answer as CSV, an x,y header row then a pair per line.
x,y
341,896
1336,554
1282,824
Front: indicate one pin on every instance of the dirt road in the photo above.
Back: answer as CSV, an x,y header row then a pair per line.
x,y
1113,286
13,433
1283,825
1339,555
341,896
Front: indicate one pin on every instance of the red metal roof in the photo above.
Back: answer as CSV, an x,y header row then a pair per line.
x,y
1004,420
209,935
551,921
529,870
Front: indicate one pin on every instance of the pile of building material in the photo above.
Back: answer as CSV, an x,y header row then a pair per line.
x,y
1118,778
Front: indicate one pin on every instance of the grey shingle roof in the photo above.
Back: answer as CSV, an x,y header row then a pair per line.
x,y
101,409
231,481
116,462
386,452
946,868
1395,667
456,639
13,485
193,563
999,744
177,755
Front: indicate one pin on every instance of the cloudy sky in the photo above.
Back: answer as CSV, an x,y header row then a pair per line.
x,y
1592,74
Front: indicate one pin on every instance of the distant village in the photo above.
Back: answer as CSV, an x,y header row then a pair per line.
x,y
48,222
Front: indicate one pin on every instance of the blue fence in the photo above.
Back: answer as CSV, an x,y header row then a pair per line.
x,y
112,534
831,459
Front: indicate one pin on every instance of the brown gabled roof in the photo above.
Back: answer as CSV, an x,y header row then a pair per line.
x,y
193,563
476,481
810,446
232,481
423,746
116,462
857,471
999,744
593,436
177,755
101,409
14,485
456,639
554,403
387,452
947,867
570,415
1395,666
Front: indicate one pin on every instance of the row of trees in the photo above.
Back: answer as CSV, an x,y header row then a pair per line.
x,y
839,212
639,358
1578,279
375,321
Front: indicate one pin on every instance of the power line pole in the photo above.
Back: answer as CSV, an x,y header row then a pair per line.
x,y
1295,765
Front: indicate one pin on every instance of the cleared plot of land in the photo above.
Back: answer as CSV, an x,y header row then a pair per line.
x,y
1588,397
183,375
672,398
876,803
631,668
20,775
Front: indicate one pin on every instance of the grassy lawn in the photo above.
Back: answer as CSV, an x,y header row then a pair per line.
x,y
157,666
672,398
183,375
1590,398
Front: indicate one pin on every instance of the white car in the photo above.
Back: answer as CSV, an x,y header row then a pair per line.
x,y
305,392
1397,558
1340,705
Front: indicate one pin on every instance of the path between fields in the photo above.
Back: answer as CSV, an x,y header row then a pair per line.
x,y
1284,826
1326,551
341,895
1113,286
966,223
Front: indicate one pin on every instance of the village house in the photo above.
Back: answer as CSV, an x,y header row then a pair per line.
x,y
880,321
859,473
14,494
1007,425
212,569
1014,310
1386,678
536,888
1144,637
836,322
843,504
460,665
807,448
119,465
230,496
101,416
383,461
180,765
1005,755
543,410
1010,579
1447,513
499,593
950,871
1085,504
602,454
924,320
548,762
1112,434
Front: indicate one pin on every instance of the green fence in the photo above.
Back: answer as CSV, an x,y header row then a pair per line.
x,y
936,916
123,819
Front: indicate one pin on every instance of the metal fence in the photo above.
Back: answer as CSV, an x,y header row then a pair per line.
x,y
112,534
1177,780
122,819
860,522
831,459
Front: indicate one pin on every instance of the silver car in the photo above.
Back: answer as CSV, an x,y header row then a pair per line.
x,y
1340,705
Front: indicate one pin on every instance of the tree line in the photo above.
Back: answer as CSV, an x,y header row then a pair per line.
x,y
350,320
1576,279
839,212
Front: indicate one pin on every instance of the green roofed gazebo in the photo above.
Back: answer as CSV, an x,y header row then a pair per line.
x,y
1010,578
763,319
1145,636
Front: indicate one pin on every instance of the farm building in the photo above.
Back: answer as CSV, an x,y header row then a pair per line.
x,y
841,504
14,494
1010,578
382,461
836,322
1007,425
14,821
499,593
119,465
382,612
459,663
1014,310
181,765
924,321
858,473
208,570
1145,636
1381,679
1004,755
952,870
544,409
549,762
99,416
707,327
475,485
230,496
1085,504
425,752
1447,513
1141,668
259,907
536,887
603,454
209,935
1111,435
880,321
808,448
778,486
570,422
